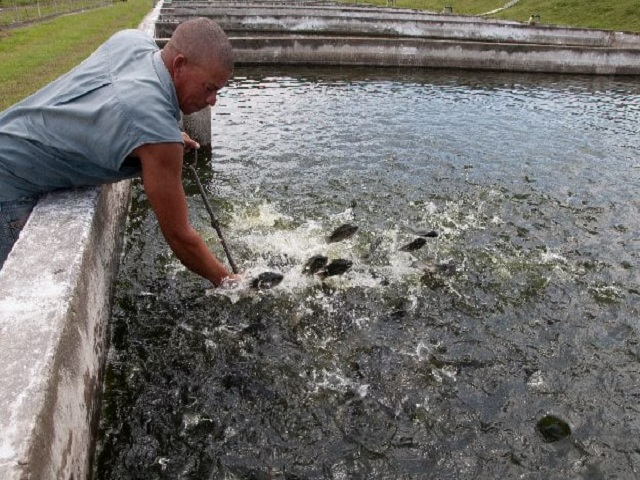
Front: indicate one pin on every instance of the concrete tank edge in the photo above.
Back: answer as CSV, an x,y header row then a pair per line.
x,y
55,304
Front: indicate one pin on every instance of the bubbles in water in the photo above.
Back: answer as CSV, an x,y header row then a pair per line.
x,y
272,241
337,381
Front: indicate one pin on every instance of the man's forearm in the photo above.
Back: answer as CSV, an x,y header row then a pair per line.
x,y
194,254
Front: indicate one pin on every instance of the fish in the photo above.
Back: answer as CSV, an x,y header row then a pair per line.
x,y
417,244
336,267
315,264
266,280
420,232
342,233
447,268
254,329
435,273
553,428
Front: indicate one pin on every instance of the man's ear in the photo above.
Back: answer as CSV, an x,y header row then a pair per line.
x,y
179,62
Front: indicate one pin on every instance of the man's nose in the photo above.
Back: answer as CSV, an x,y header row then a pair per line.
x,y
211,99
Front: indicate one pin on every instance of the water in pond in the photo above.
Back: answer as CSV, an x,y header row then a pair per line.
x,y
507,346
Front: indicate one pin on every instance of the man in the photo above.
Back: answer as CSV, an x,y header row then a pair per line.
x,y
113,117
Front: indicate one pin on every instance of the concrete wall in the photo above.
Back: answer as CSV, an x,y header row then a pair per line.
x,y
434,54
389,23
309,34
55,304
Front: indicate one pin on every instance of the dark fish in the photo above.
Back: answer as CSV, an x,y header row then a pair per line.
x,y
254,329
553,428
447,268
435,274
336,267
417,244
315,264
266,280
421,233
342,233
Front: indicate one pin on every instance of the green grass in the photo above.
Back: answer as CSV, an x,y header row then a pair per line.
x,y
27,10
620,15
465,7
32,56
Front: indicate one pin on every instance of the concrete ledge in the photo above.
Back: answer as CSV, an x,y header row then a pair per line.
x,y
312,21
55,305
406,52
56,285
56,302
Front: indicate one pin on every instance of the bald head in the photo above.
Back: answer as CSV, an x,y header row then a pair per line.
x,y
203,42
200,61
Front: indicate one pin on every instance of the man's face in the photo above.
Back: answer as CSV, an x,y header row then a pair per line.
x,y
197,86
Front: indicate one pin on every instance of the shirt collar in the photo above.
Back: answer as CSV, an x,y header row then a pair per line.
x,y
166,81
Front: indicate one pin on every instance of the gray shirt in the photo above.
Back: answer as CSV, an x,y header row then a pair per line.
x,y
80,129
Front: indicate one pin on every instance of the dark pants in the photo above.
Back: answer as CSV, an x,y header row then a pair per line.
x,y
13,216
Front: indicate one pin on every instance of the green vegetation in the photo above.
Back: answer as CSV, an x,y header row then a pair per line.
x,y
32,56
621,15
14,12
465,7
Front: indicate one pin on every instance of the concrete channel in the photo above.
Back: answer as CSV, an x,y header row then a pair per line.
x,y
56,286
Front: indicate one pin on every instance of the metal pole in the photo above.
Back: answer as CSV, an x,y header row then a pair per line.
x,y
214,221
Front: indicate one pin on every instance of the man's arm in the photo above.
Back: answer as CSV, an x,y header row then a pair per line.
x,y
162,181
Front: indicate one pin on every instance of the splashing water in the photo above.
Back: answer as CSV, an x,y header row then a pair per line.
x,y
434,363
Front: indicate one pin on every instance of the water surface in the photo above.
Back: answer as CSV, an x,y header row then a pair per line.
x,y
437,363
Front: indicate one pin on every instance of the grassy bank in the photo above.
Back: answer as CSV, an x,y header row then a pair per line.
x,y
33,56
621,15
17,12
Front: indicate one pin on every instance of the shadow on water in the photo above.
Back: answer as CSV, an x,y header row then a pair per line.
x,y
505,347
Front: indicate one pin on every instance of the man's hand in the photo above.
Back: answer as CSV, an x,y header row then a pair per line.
x,y
231,281
189,143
